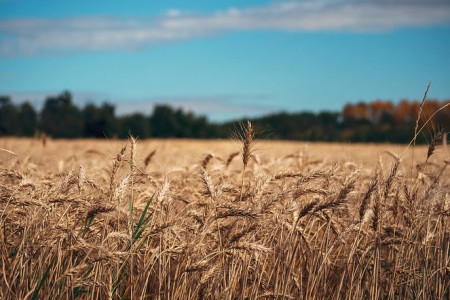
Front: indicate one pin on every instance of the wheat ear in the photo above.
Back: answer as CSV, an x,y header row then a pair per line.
x,y
247,137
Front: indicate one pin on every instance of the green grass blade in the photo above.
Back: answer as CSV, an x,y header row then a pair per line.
x,y
35,295
143,219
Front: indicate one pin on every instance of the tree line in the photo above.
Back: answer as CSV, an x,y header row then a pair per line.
x,y
377,121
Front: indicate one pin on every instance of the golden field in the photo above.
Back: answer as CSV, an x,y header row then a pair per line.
x,y
219,219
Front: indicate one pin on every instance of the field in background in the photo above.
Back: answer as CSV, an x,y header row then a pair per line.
x,y
172,154
184,219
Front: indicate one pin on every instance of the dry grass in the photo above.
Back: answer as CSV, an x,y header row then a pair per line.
x,y
189,220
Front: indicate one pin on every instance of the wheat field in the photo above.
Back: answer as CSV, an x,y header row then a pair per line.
x,y
185,219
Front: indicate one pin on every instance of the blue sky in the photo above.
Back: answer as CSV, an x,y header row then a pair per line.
x,y
225,59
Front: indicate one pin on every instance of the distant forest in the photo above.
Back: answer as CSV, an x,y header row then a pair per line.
x,y
377,121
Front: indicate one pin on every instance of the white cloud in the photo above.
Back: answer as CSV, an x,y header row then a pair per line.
x,y
28,36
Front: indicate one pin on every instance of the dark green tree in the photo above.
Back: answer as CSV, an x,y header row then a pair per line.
x,y
138,125
99,122
28,119
200,128
9,117
163,122
168,122
60,118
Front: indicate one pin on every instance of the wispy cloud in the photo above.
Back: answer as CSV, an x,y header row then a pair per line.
x,y
216,107
29,36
